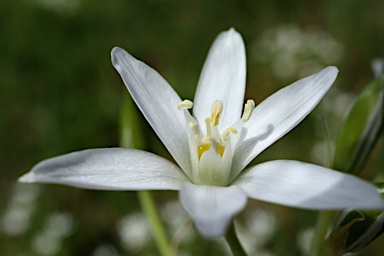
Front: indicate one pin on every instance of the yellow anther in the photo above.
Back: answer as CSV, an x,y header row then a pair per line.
x,y
220,149
217,108
226,133
248,109
185,104
202,148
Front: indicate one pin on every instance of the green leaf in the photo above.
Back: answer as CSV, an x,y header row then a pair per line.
x,y
361,129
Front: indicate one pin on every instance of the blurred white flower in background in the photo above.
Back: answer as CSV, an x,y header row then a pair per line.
x,y
134,232
58,226
259,226
16,218
293,52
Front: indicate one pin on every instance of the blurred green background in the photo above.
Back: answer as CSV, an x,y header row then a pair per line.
x,y
59,93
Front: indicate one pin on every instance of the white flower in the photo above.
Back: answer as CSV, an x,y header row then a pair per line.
x,y
212,147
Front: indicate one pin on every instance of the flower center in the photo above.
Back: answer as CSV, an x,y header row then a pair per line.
x,y
212,137
212,151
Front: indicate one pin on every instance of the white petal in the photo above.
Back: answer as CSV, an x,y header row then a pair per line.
x,y
158,102
279,113
212,208
108,169
222,78
194,136
309,186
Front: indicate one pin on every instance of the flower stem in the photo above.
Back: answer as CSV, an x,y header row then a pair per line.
x,y
321,228
325,217
131,136
234,242
159,233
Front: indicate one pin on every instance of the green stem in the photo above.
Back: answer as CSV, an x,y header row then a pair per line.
x,y
325,217
322,224
159,233
234,242
131,136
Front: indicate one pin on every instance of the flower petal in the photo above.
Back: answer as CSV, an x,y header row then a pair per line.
x,y
222,78
280,113
157,101
309,186
108,169
212,208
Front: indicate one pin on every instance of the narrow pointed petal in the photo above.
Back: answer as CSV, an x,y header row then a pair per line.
x,y
212,208
194,135
308,186
222,78
279,114
157,101
108,169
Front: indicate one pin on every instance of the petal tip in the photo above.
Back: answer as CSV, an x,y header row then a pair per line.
x,y
231,30
333,69
115,50
232,33
27,178
114,59
117,53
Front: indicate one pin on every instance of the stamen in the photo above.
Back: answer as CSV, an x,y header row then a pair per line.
x,y
185,104
217,108
226,133
248,109
208,126
195,128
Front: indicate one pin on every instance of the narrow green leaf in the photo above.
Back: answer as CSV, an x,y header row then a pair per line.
x,y
361,129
